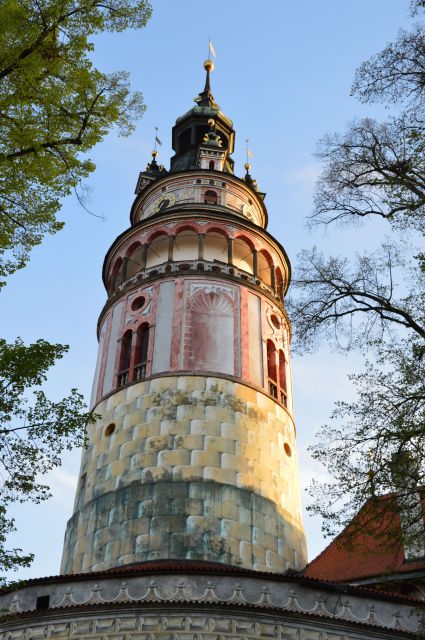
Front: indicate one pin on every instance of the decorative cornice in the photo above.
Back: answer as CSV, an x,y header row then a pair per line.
x,y
185,593
173,270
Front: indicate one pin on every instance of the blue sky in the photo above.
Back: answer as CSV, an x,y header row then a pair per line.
x,y
283,74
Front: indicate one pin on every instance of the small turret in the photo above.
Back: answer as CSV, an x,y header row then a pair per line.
x,y
248,178
152,172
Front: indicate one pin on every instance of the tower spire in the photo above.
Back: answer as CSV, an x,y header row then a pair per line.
x,y
206,98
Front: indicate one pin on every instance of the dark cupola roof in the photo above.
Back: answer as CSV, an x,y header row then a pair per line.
x,y
191,128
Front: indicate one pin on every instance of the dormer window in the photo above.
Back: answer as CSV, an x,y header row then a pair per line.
x,y
183,142
210,197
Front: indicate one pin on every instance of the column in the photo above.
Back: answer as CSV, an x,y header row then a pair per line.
x,y
230,250
255,262
201,240
171,240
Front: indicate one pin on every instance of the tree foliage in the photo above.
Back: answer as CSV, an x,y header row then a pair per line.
x,y
356,302
374,169
33,434
396,73
54,107
369,444
374,445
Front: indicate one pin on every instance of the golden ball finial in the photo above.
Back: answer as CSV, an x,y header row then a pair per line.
x,y
209,65
211,122
247,166
154,153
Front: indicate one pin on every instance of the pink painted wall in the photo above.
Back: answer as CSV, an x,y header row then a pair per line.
x,y
197,324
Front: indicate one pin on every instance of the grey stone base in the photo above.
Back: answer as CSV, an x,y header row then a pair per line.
x,y
180,520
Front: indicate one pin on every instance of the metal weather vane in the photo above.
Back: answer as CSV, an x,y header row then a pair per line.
x,y
157,140
211,50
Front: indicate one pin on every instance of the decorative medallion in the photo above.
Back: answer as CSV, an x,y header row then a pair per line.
x,y
247,211
164,201
275,325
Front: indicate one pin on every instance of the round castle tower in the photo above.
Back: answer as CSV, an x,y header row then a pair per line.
x,y
194,455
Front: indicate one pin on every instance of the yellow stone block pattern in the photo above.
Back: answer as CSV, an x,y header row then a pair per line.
x,y
194,428
218,428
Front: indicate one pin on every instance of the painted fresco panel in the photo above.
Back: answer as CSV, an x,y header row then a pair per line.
x,y
94,393
255,342
108,382
164,325
212,337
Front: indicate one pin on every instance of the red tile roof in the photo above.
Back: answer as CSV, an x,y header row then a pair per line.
x,y
370,546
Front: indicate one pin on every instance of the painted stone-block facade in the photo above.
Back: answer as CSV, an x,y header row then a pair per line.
x,y
196,467
194,456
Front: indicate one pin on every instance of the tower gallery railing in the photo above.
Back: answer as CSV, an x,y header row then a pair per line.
x,y
166,268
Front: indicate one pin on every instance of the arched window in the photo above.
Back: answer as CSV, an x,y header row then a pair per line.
x,y
157,251
116,278
210,196
134,263
243,255
265,265
283,394
276,373
186,245
125,357
272,368
215,247
141,354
